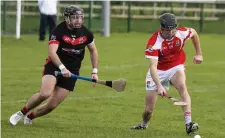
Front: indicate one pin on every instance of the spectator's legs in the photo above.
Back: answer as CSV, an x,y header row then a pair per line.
x,y
42,29
51,23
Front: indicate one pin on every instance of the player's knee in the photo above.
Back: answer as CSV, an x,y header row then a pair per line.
x,y
182,87
44,95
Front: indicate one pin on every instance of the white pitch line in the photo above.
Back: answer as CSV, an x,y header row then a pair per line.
x,y
69,98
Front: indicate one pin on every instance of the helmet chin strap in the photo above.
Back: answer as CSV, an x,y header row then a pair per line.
x,y
67,19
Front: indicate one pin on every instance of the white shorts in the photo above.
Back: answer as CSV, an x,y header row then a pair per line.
x,y
164,77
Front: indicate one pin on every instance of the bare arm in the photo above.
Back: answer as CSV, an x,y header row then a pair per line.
x,y
52,49
94,56
153,70
196,42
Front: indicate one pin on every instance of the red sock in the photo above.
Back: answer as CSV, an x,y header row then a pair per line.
x,y
31,115
24,110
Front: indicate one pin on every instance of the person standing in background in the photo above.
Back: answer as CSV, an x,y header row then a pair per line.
x,y
48,15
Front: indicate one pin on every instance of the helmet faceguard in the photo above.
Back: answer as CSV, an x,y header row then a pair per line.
x,y
168,24
74,16
168,33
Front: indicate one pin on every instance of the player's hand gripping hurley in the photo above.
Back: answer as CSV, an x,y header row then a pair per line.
x,y
118,85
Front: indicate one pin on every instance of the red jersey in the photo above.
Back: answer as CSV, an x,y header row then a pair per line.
x,y
168,52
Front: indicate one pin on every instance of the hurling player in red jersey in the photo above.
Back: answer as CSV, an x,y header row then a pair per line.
x,y
166,65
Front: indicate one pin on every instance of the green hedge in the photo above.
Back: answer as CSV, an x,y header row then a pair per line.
x,y
30,25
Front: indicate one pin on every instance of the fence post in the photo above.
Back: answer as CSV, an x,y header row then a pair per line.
x,y
201,18
18,19
106,18
4,15
129,17
90,15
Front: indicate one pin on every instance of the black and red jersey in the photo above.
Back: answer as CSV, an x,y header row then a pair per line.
x,y
71,43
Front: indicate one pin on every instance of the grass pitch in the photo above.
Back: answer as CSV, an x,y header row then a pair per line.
x,y
100,112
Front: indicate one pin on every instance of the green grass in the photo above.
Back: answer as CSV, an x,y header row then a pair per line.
x,y
101,112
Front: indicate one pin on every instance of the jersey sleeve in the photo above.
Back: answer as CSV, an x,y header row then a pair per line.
x,y
90,38
186,33
55,36
152,48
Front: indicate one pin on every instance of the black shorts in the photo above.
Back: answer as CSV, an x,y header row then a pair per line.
x,y
66,83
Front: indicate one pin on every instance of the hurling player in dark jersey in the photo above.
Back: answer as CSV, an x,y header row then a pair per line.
x,y
65,53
